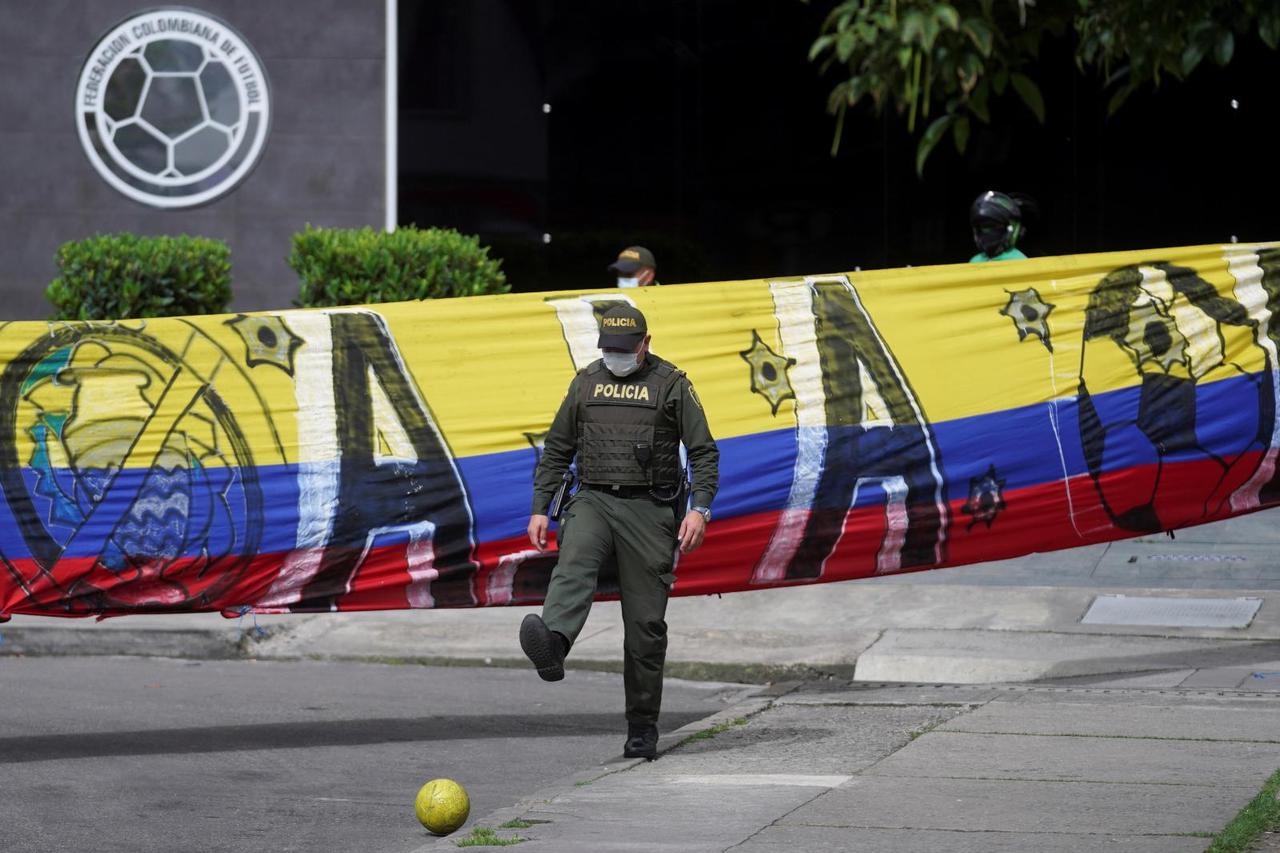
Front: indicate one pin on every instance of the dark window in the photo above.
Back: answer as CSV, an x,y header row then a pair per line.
x,y
435,56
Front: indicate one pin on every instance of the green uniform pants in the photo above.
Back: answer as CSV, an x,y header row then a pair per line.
x,y
640,534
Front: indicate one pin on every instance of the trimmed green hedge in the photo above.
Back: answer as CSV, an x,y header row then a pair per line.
x,y
124,276
358,266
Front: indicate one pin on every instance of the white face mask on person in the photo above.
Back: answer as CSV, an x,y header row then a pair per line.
x,y
628,282
621,364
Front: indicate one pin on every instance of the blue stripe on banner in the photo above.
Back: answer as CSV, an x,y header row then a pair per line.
x,y
1027,446
173,513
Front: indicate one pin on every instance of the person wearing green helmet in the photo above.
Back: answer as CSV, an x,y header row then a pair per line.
x,y
997,221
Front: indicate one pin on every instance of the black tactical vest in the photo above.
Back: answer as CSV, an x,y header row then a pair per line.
x,y
624,436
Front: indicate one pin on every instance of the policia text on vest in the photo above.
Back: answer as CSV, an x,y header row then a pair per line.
x,y
624,433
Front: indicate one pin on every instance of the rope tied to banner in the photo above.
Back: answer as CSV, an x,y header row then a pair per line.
x,y
258,630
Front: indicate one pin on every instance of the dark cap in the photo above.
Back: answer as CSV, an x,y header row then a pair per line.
x,y
622,327
633,258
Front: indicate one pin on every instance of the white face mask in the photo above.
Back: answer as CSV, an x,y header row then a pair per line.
x,y
621,364
628,282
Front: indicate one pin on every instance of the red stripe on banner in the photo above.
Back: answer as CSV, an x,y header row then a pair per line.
x,y
1199,489
510,572
1194,492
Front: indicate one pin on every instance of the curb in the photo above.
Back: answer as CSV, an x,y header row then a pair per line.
x,y
736,673
748,703
219,644
246,643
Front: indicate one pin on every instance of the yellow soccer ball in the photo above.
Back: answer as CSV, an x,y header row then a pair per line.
x,y
442,806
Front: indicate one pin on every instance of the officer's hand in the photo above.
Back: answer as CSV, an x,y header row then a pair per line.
x,y
692,529
538,531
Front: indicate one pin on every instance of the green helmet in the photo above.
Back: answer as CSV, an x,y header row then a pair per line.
x,y
997,222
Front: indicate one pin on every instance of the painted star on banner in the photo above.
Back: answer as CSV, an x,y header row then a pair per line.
x,y
1030,315
985,498
267,340
769,372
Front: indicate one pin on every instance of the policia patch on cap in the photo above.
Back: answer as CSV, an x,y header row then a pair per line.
x,y
620,325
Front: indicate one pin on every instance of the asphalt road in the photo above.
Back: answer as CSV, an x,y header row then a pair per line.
x,y
146,754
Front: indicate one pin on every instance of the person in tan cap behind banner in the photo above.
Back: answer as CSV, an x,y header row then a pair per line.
x,y
635,267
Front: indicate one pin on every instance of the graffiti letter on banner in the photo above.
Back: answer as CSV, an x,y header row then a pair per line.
x,y
859,429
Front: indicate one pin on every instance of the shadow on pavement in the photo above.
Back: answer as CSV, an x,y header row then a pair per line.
x,y
19,750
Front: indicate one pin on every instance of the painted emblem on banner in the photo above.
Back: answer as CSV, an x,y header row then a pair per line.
x,y
172,107
137,465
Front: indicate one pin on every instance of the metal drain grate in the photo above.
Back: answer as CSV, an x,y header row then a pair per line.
x,y
1172,612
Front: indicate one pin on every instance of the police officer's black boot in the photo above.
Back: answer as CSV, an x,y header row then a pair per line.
x,y
544,647
642,741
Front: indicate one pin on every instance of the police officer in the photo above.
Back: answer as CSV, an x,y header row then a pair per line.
x,y
624,418
635,267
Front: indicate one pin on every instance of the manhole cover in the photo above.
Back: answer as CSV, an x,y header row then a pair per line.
x,y
1172,612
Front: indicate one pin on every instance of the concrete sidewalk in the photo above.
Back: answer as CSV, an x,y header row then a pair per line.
x,y
920,631
899,631
1130,764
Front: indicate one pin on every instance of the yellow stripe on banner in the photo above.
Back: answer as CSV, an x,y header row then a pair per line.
x,y
964,358
492,370
100,383
496,368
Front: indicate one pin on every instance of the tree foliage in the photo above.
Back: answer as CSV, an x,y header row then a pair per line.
x,y
945,65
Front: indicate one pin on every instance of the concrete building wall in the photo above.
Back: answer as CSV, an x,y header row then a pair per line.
x,y
323,161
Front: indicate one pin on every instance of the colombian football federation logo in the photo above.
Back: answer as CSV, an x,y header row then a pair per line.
x,y
172,107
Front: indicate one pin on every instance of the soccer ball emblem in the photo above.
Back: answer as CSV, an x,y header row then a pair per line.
x,y
172,112
172,108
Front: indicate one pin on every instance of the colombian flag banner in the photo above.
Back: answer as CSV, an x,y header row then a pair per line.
x,y
869,423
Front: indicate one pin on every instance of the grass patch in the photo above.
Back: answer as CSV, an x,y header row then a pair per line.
x,y
923,730
521,823
1262,814
718,728
483,836
584,783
